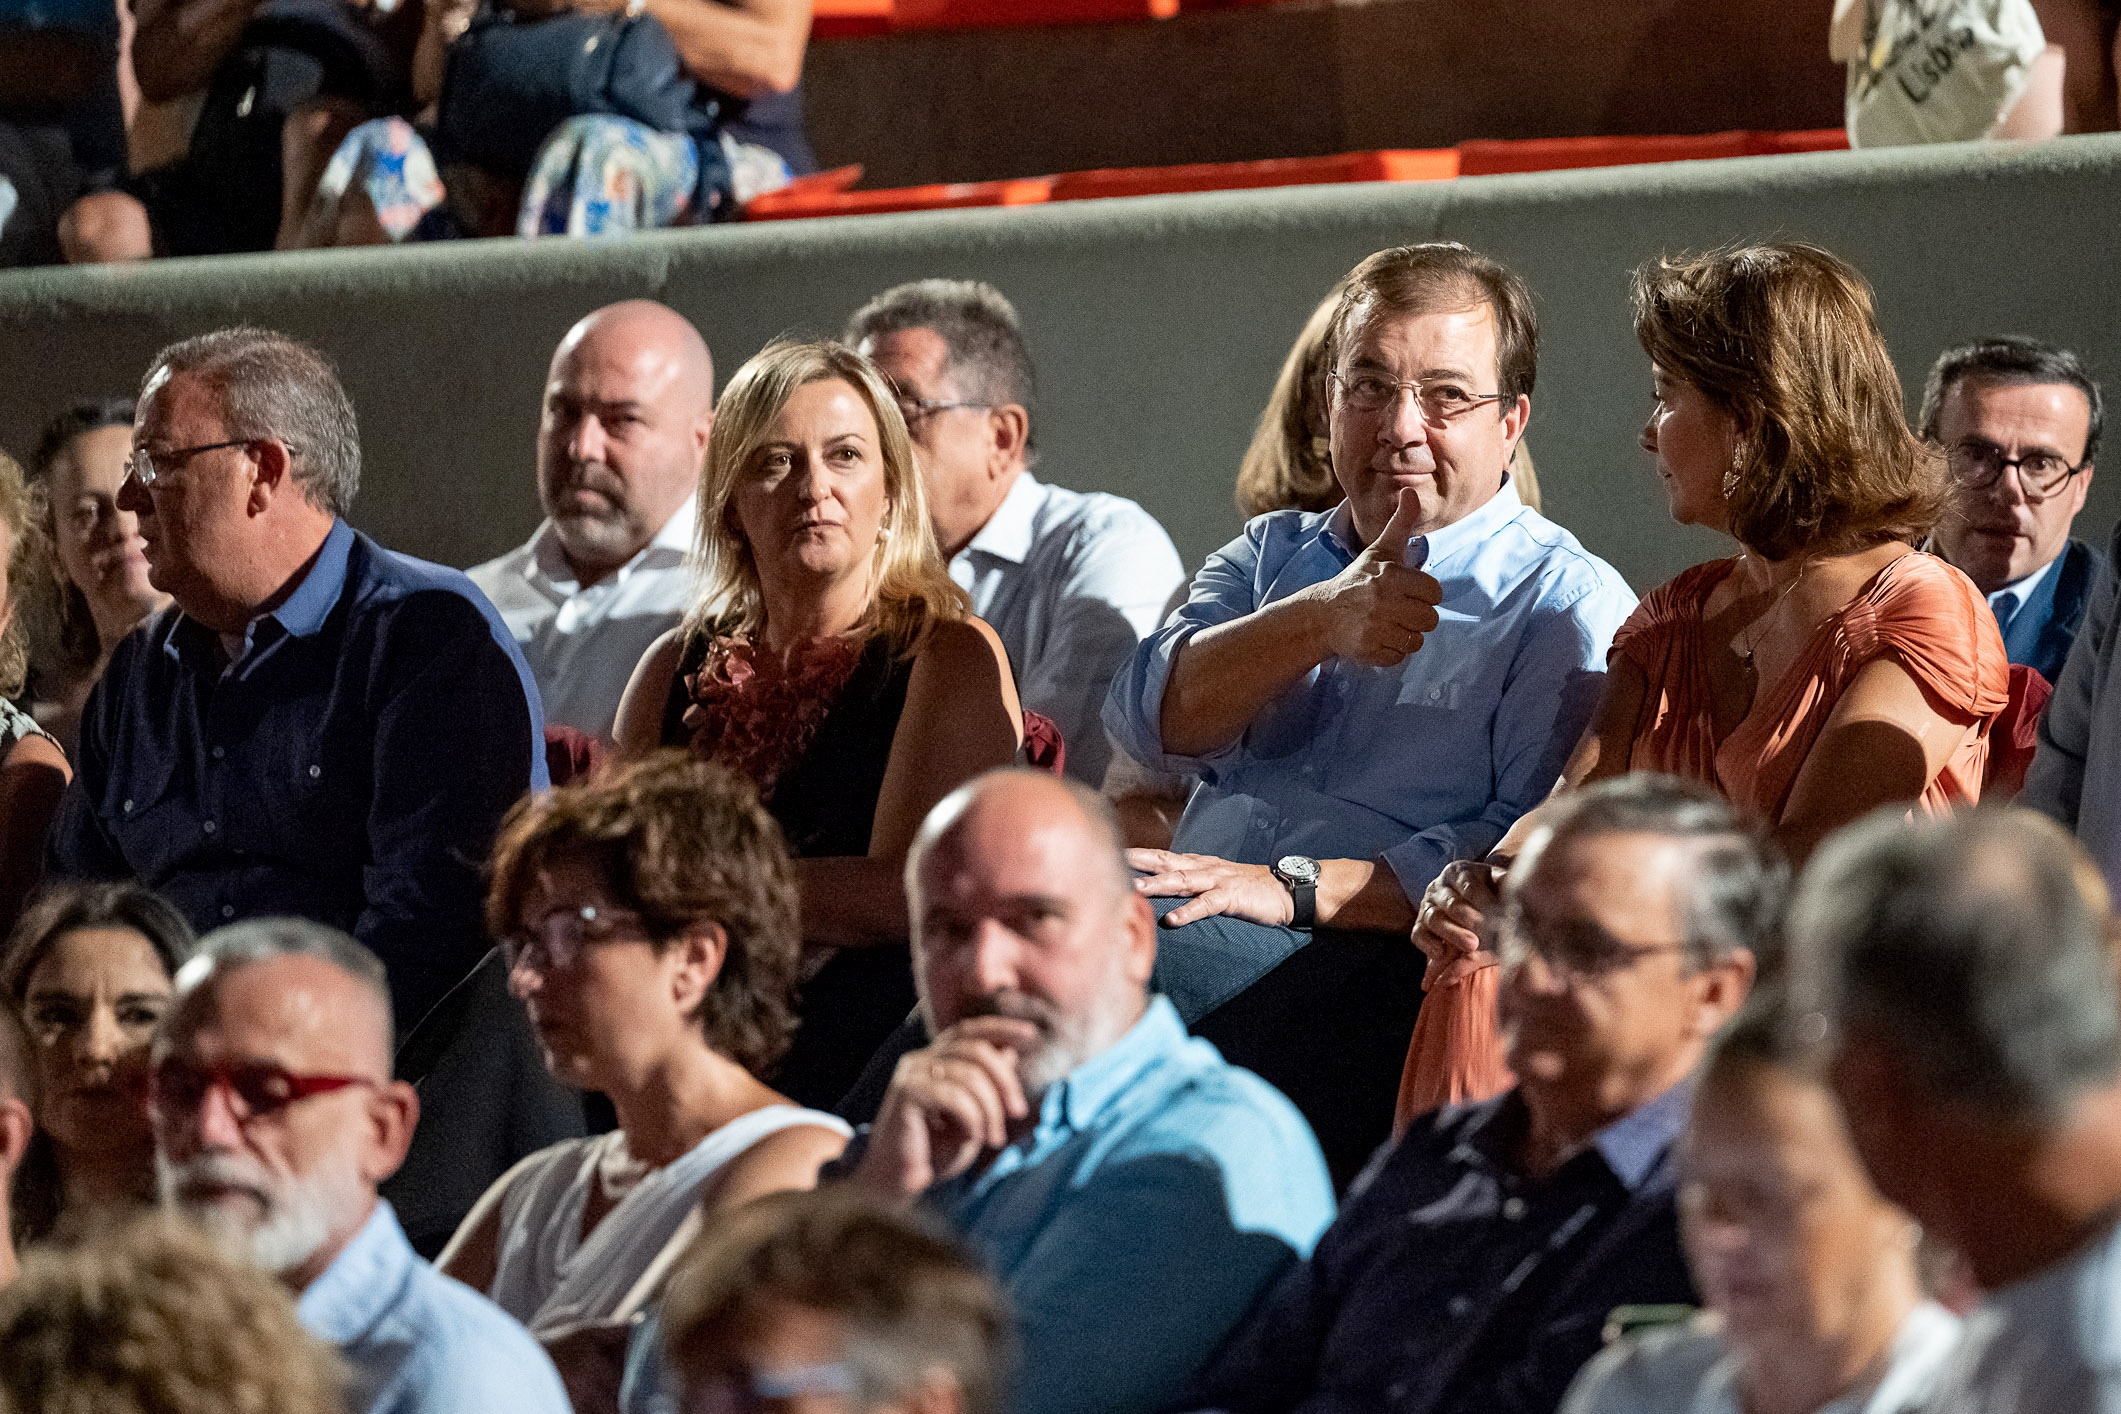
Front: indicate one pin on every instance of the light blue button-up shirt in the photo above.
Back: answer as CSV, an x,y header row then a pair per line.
x,y
1069,581
418,1342
1159,1193
1423,763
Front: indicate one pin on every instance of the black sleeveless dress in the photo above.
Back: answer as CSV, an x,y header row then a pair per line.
x,y
825,804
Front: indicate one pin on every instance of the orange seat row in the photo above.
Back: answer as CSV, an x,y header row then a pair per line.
x,y
832,19
832,193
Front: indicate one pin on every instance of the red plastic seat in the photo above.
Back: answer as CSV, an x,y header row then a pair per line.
x,y
789,202
1000,14
1487,157
837,19
1405,165
1808,140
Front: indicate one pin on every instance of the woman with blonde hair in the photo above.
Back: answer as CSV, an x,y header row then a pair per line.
x,y
1827,669
832,660
33,770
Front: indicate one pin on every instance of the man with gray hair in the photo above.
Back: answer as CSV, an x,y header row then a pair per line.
x,y
275,1116
1071,580
1958,977
1131,1190
1474,1267
317,726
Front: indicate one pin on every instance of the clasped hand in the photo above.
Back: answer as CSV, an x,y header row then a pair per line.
x,y
1378,610
1455,925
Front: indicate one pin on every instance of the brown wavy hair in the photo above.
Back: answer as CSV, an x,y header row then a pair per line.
x,y
912,588
1784,337
1289,465
683,843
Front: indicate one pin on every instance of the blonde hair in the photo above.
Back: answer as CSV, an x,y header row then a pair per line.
x,y
27,555
152,1319
911,587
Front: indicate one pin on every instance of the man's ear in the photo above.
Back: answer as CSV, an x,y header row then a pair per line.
x,y
1140,928
393,1113
273,474
702,430
1009,434
1725,987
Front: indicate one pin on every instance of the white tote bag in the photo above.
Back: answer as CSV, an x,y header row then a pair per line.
x,y
1932,70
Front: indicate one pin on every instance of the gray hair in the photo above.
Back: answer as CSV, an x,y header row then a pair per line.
x,y
274,387
1977,946
264,939
1739,881
989,361
2011,358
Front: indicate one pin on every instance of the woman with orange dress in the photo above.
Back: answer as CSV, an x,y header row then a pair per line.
x,y
1826,670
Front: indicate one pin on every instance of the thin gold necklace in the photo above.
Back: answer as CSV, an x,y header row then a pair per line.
x,y
1761,624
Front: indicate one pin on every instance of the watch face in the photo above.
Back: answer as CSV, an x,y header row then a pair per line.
x,y
1297,869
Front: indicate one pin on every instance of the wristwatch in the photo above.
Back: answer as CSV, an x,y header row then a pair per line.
x,y
1299,875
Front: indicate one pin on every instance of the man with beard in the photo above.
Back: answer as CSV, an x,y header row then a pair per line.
x,y
1132,1191
1476,1264
628,406
275,1117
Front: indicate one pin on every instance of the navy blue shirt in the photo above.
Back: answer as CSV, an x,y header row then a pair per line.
x,y
1449,1282
350,766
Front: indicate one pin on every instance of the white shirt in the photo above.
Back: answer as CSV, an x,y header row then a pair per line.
x,y
583,644
1689,1370
2047,1344
1070,581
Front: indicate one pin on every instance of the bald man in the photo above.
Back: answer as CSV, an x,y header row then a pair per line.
x,y
1132,1190
275,1117
628,406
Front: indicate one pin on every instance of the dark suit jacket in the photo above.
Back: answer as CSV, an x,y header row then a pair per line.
x,y
2043,643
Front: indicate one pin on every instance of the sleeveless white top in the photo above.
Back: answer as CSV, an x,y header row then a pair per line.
x,y
548,1278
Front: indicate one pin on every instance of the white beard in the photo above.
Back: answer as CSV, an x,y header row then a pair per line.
x,y
300,1214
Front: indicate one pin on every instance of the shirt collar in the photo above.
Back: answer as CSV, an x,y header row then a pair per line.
x,y
302,615
549,562
361,1282
2021,591
1007,535
1632,1144
1468,530
1077,1099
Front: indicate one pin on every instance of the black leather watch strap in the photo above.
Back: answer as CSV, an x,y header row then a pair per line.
x,y
1305,897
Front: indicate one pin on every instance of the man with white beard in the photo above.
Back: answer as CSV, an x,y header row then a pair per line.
x,y
275,1117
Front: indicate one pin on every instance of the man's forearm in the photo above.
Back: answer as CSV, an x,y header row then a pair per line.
x,y
1224,676
1362,895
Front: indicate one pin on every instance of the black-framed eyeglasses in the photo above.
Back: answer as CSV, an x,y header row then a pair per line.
x,y
1439,402
560,935
914,410
1978,464
1574,951
143,466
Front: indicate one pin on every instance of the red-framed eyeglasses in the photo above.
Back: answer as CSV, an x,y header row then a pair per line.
x,y
176,1086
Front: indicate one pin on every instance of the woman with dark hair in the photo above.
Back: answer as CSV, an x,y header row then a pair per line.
x,y
89,969
1827,669
97,589
833,661
648,916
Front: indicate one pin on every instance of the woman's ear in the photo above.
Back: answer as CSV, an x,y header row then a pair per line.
x,y
697,956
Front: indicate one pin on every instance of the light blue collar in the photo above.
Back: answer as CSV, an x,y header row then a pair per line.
x,y
1460,536
1080,1096
1632,1144
362,1282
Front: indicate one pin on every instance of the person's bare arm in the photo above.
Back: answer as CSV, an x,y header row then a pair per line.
x,y
474,1251
177,44
1884,742
1375,612
638,728
32,779
785,1159
748,48
961,718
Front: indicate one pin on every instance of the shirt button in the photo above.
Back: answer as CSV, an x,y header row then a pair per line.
x,y
209,827
228,910
128,807
1435,693
1460,1305
1513,1208
219,752
315,771
1396,1391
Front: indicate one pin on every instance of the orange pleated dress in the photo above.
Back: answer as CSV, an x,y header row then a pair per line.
x,y
1919,611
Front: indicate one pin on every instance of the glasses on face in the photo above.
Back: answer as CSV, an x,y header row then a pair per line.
x,y
177,1087
147,468
1574,952
559,937
916,410
1978,463
1439,402
765,1390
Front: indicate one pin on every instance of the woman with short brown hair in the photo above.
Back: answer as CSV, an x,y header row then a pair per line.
x,y
1829,668
648,917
